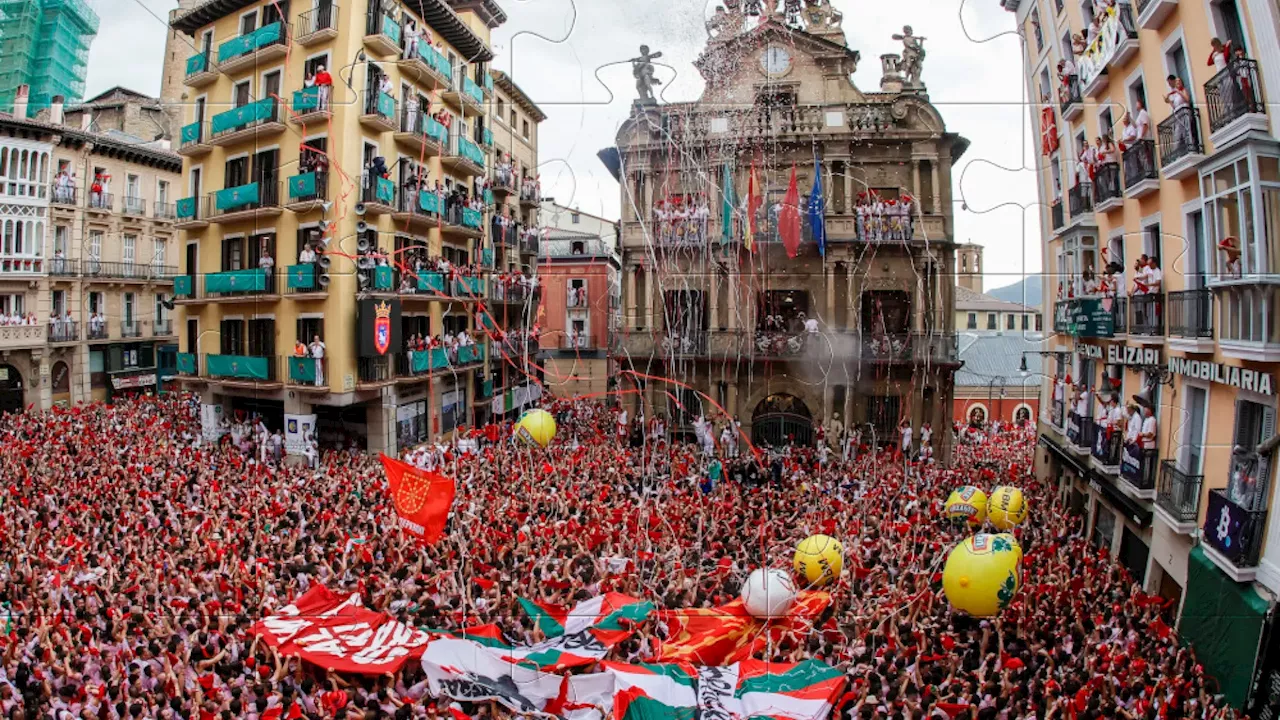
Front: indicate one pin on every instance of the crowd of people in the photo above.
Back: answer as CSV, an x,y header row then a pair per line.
x,y
882,219
141,551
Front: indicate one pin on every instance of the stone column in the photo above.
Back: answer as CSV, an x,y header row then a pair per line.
x,y
915,177
656,305
937,189
831,294
850,299
734,298
733,400
629,300
828,402
713,289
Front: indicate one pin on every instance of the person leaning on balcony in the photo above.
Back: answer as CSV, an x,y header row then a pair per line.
x,y
1132,425
317,351
1219,54
1148,436
1088,282
1154,278
1108,153
300,349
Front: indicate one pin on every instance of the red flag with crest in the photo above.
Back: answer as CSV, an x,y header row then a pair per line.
x,y
422,498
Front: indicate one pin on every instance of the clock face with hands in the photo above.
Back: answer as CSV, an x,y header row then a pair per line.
x,y
775,61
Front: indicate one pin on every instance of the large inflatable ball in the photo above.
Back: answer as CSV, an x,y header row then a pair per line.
x,y
536,427
819,560
1006,508
768,593
968,504
983,574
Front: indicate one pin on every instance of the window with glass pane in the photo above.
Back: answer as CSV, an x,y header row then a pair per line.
x,y
129,249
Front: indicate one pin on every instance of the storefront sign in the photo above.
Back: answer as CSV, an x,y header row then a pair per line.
x,y
133,381
1243,378
1120,354
1086,350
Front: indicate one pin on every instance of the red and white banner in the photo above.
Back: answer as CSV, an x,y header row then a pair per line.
x,y
338,633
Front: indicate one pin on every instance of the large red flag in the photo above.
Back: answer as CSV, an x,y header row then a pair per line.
x,y
789,217
728,634
422,498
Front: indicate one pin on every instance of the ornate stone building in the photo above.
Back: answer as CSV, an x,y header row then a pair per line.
x,y
863,331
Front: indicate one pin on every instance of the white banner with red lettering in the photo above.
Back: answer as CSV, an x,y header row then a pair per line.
x,y
338,633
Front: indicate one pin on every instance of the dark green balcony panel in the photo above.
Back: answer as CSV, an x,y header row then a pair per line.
x,y
244,367
236,281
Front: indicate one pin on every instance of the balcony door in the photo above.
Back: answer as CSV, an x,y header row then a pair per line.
x,y
886,312
1191,454
231,341
262,338
237,172
271,84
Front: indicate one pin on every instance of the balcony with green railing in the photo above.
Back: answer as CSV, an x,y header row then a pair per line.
x,y
252,48
200,70
255,119
469,288
463,156
431,283
486,138
193,140
254,368
191,212
184,286
246,201
471,90
308,105
306,372
428,66
488,84
235,284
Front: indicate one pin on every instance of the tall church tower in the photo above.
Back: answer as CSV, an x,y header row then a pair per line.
x,y
969,262
177,49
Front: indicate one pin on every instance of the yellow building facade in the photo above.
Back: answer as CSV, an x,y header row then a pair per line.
x,y
1157,148
334,157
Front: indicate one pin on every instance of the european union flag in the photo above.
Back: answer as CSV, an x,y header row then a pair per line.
x,y
817,204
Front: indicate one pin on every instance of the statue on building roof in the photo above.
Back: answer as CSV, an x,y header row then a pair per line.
x,y
642,70
912,56
820,15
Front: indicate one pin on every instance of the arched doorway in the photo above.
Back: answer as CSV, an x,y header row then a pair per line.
x,y
977,416
780,419
1022,415
61,383
11,395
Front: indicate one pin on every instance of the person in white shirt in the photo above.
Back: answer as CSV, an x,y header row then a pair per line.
x,y
907,433
307,256
1148,433
1133,426
317,352
1142,121
811,326
1084,401
1154,276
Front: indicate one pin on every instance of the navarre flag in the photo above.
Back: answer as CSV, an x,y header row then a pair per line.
x,y
727,634
753,202
727,206
789,217
422,499
817,209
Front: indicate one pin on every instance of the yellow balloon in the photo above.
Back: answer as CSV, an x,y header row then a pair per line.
x,y
983,574
967,503
819,559
537,427
1006,508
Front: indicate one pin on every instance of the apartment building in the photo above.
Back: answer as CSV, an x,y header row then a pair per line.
x,y
579,274
1194,195
514,380
86,265
334,159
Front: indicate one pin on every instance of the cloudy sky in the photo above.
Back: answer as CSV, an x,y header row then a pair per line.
x,y
570,58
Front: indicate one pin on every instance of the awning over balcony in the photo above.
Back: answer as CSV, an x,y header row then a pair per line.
x,y
1223,619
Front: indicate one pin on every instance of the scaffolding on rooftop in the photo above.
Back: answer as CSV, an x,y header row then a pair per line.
x,y
46,46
